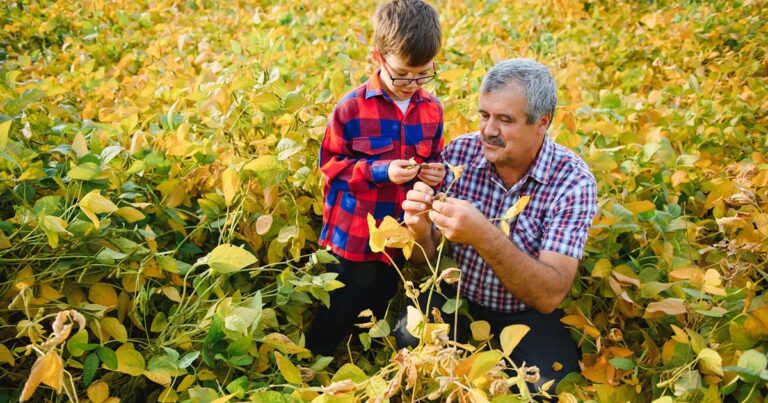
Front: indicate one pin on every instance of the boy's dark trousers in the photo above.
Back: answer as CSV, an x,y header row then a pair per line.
x,y
367,285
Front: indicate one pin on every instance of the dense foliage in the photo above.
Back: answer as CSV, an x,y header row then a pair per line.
x,y
160,198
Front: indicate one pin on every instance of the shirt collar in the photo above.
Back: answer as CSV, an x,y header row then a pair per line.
x,y
374,87
541,166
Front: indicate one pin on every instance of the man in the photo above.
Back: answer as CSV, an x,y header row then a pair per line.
x,y
523,277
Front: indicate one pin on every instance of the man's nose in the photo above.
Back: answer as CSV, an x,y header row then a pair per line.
x,y
490,127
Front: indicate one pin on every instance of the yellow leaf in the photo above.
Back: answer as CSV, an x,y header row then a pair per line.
x,y
130,214
680,335
557,366
263,224
484,362
433,329
5,243
511,336
103,294
228,258
457,171
129,361
172,293
224,399
710,362
452,75
414,321
4,128
6,356
757,323
287,369
481,330
692,274
640,206
230,183
114,328
94,203
186,383
47,369
669,306
24,278
168,395
159,377
712,283
679,177
138,141
283,343
518,208
98,391
79,146
390,234
602,268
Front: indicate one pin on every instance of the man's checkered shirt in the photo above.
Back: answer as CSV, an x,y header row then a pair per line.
x,y
557,218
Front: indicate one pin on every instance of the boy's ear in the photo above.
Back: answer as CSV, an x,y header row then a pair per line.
x,y
376,55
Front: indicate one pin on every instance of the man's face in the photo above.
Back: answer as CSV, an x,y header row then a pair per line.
x,y
508,141
393,66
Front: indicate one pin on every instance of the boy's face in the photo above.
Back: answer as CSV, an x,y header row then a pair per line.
x,y
394,68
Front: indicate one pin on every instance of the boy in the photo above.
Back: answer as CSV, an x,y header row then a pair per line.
x,y
367,157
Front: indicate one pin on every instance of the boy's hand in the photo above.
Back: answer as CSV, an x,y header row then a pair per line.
x,y
432,174
401,171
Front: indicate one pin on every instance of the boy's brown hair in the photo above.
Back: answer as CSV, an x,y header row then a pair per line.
x,y
409,29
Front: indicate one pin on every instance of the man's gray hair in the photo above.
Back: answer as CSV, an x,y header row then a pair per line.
x,y
533,78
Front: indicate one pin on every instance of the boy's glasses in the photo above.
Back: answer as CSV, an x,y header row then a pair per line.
x,y
404,82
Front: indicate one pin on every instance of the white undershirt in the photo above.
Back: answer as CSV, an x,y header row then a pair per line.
x,y
403,105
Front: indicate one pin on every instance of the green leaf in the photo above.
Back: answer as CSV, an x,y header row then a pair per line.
x,y
85,171
188,358
452,305
90,365
228,258
239,386
108,357
75,343
365,340
380,329
349,371
622,363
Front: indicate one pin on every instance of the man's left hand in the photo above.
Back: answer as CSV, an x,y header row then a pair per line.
x,y
459,220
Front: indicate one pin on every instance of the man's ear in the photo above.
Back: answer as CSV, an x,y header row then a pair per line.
x,y
543,124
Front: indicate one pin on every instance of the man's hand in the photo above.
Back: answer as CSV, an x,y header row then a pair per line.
x,y
459,220
432,173
417,202
401,171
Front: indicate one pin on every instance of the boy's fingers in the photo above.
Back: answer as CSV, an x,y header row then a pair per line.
x,y
423,188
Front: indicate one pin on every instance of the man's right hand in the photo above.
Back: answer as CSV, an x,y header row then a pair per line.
x,y
401,171
415,206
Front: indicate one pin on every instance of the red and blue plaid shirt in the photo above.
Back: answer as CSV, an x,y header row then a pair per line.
x,y
557,218
366,131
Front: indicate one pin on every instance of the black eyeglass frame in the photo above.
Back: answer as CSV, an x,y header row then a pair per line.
x,y
404,82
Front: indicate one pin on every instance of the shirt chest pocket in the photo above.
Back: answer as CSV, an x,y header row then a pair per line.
x,y
372,145
528,233
424,148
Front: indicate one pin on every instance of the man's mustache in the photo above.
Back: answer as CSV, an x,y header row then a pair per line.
x,y
494,140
